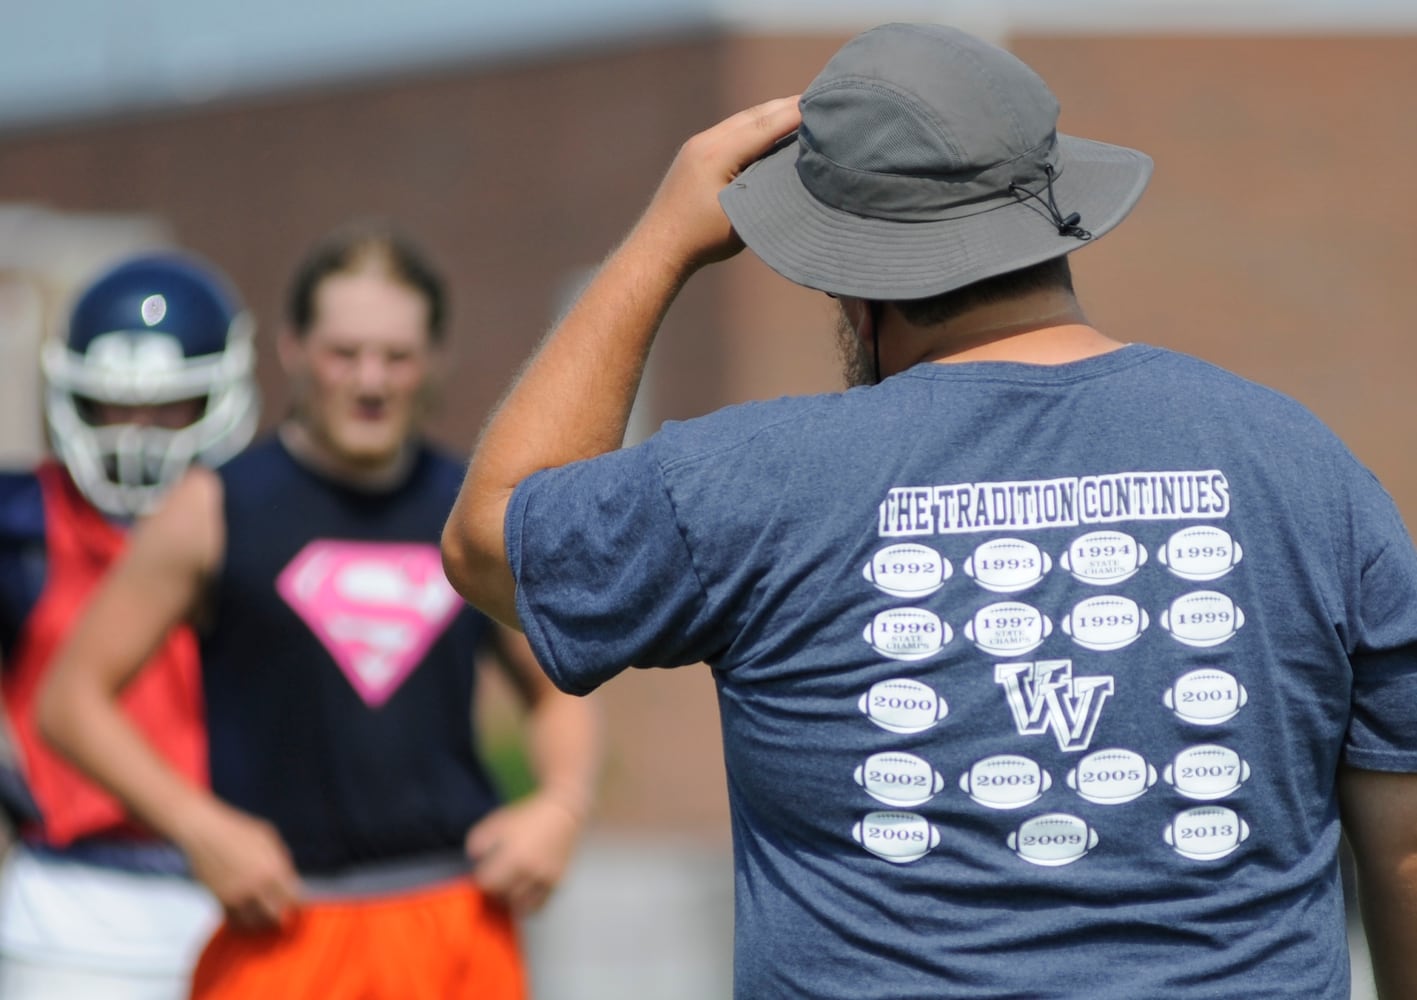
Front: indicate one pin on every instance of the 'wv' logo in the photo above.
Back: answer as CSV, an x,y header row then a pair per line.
x,y
1045,695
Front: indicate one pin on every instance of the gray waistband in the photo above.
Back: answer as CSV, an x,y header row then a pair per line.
x,y
387,878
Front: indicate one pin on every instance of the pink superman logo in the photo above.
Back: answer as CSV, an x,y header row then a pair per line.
x,y
376,606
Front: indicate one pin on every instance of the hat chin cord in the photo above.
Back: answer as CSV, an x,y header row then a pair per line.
x,y
1068,225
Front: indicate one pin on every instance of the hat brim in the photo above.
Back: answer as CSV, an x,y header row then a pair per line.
x,y
813,244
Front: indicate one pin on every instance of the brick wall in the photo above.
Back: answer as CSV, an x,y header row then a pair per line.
x,y
1276,240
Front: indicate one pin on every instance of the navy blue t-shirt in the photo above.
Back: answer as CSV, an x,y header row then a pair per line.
x,y
339,670
1034,680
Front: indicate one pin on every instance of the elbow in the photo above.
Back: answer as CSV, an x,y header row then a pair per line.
x,y
467,568
475,557
63,707
472,548
52,712
480,576
458,561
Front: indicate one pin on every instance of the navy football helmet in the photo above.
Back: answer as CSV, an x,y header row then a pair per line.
x,y
155,329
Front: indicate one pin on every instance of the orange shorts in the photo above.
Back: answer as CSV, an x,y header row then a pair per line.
x,y
439,943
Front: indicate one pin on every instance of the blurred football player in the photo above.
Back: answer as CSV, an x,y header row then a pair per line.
x,y
153,373
357,843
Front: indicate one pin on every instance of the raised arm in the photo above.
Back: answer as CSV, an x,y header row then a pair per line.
x,y
1380,818
522,850
574,399
157,584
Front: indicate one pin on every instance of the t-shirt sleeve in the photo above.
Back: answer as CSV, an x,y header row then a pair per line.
x,y
1382,639
605,579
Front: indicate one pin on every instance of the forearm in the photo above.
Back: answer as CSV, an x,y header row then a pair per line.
x,y
565,745
574,399
1380,818
1388,901
572,402
84,722
521,851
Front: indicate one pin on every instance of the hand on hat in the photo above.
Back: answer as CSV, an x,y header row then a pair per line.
x,y
684,216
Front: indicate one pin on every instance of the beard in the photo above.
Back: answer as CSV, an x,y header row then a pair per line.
x,y
857,365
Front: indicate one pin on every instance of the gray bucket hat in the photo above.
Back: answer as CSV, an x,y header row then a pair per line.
x,y
927,160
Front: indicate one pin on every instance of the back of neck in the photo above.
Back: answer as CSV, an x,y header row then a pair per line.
x,y
1047,345
1044,328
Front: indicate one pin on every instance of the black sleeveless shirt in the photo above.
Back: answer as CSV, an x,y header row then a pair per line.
x,y
338,671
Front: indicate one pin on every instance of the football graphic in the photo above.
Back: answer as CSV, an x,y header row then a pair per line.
x,y
1201,552
1105,622
899,779
1202,618
1112,777
897,837
908,570
1005,781
1207,772
1206,833
1103,557
1007,565
1052,840
907,633
1206,697
903,705
1008,628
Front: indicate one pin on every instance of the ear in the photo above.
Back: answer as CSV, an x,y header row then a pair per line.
x,y
861,316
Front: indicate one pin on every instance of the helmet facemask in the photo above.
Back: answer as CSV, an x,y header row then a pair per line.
x,y
125,468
